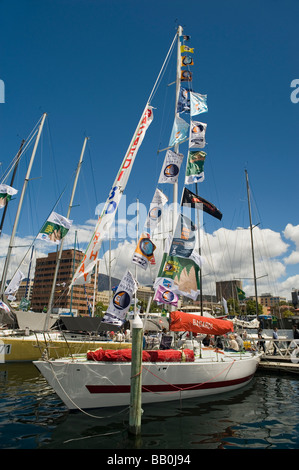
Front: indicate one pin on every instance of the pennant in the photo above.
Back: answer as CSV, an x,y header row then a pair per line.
x,y
84,270
166,296
195,167
186,60
183,242
156,208
198,104
6,192
186,76
15,283
180,275
241,294
144,251
197,134
55,228
187,49
171,167
183,101
179,131
120,304
198,202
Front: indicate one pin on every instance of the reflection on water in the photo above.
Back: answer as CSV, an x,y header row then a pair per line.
x,y
262,415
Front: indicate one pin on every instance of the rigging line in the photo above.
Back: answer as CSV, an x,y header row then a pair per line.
x,y
155,87
28,142
34,239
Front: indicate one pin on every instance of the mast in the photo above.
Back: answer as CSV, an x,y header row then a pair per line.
x,y
51,299
12,238
11,182
176,147
252,245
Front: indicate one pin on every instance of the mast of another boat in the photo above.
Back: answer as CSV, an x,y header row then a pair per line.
x,y
252,244
12,238
51,299
11,182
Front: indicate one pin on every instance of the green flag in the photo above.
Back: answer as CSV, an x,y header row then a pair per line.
x,y
241,294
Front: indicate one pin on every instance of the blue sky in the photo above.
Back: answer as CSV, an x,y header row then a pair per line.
x,y
91,65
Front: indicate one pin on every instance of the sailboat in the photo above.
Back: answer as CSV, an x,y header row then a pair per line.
x,y
104,378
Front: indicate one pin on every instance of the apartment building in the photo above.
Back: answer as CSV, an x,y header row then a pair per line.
x,y
43,280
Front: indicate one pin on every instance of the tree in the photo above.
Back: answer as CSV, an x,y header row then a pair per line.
x,y
251,308
100,309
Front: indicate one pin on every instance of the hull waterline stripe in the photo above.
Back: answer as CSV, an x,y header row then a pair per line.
x,y
167,387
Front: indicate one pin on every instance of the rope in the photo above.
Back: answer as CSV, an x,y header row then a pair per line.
x,y
80,409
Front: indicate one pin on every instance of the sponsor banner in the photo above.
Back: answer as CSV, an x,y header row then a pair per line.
x,y
6,192
195,167
14,284
198,103
179,131
166,296
55,228
183,242
144,252
84,270
171,167
120,304
180,275
197,134
156,209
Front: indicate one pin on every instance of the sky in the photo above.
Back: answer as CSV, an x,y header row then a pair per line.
x,y
91,66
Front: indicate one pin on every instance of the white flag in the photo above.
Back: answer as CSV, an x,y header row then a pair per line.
x,y
15,282
120,304
171,167
156,208
197,134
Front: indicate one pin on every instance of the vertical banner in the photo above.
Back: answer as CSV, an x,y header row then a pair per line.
x,y
195,167
6,192
156,209
197,134
105,220
55,228
144,252
120,304
171,167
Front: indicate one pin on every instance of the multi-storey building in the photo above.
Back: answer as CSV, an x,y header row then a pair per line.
x,y
43,280
227,289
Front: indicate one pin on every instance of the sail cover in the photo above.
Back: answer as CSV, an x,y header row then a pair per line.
x,y
105,220
182,321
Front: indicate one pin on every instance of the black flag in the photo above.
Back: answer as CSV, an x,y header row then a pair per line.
x,y
196,201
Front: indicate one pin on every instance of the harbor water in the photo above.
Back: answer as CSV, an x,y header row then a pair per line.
x,y
262,415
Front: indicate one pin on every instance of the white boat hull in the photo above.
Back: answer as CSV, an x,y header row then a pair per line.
x,y
87,384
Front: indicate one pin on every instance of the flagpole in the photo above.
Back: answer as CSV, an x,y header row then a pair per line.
x,y
199,252
51,299
5,269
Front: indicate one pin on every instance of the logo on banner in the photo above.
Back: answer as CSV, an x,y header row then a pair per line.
x,y
121,300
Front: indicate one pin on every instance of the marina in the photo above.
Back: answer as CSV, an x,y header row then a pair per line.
x,y
151,333
263,415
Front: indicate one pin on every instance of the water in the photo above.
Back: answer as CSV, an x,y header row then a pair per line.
x,y
263,415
